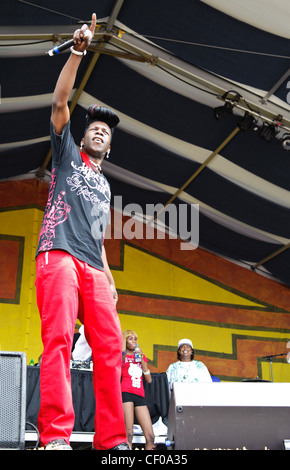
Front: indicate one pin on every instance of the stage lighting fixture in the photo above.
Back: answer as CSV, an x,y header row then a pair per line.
x,y
268,131
230,97
246,122
286,142
222,112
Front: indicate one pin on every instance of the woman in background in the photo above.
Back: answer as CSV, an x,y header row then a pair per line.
x,y
187,369
133,393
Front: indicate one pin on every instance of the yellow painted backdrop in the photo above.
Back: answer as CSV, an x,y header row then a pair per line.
x,y
233,316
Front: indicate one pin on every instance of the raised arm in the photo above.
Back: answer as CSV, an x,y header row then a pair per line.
x,y
65,83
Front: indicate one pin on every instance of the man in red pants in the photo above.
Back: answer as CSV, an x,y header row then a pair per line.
x,y
73,279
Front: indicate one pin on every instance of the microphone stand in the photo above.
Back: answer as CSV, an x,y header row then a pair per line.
x,y
270,359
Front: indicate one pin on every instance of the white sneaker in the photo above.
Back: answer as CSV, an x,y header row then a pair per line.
x,y
58,444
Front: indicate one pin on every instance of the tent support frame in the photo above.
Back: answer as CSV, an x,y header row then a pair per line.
x,y
198,171
271,256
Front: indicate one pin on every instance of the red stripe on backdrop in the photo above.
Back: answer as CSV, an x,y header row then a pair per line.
x,y
203,312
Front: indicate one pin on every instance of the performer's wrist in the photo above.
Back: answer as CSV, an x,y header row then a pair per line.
x,y
79,53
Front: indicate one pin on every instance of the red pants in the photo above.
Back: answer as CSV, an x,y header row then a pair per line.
x,y
68,289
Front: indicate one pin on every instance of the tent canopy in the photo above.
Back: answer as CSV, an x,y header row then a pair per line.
x,y
164,67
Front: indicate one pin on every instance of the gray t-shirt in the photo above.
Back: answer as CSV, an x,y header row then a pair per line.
x,y
78,205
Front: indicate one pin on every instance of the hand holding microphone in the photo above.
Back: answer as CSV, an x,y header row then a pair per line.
x,y
82,38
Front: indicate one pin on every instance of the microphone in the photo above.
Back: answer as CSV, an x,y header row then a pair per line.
x,y
273,355
66,45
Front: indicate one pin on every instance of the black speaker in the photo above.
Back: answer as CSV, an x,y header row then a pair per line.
x,y
12,399
229,416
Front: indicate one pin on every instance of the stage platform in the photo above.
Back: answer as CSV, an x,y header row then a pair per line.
x,y
83,440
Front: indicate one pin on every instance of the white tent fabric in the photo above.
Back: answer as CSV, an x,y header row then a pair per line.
x,y
263,14
164,67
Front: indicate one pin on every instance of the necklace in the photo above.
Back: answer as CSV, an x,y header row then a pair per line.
x,y
96,166
90,163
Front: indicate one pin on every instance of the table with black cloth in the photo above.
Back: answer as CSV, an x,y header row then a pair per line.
x,y
156,393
